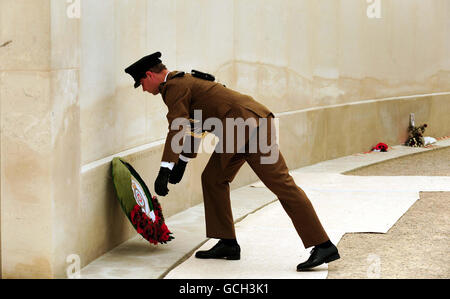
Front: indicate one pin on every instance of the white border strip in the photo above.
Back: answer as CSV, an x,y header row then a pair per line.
x,y
362,102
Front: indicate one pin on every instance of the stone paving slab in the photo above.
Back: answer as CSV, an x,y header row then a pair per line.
x,y
270,246
270,249
136,258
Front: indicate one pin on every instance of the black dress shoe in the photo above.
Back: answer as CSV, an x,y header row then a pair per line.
x,y
318,257
221,251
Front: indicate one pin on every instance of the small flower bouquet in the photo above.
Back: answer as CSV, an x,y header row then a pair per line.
x,y
415,136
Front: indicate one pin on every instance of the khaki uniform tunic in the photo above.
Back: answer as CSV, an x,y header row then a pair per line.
x,y
183,95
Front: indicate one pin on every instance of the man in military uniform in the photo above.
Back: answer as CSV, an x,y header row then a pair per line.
x,y
186,93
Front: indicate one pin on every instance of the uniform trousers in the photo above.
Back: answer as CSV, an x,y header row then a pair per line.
x,y
216,178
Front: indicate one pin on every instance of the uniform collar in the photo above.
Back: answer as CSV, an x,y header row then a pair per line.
x,y
169,76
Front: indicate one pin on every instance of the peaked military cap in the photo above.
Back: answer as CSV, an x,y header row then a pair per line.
x,y
138,69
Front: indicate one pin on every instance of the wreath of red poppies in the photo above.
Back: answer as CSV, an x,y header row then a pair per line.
x,y
153,231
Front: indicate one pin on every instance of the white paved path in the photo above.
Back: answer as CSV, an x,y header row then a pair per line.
x,y
270,246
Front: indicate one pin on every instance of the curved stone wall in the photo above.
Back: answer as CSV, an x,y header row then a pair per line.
x,y
307,136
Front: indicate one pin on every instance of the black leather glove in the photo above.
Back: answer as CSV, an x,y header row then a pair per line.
x,y
161,181
177,172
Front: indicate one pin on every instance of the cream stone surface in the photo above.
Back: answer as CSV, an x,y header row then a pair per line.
x,y
115,116
161,34
316,134
65,37
340,82
26,25
307,54
26,207
66,165
204,34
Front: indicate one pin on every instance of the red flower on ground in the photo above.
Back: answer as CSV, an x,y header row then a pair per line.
x,y
382,147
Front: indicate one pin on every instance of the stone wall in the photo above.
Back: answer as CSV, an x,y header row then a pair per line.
x,y
339,81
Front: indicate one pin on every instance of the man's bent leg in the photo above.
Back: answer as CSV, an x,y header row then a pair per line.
x,y
216,196
293,199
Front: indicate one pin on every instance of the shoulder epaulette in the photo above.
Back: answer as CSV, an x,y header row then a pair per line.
x,y
204,76
179,74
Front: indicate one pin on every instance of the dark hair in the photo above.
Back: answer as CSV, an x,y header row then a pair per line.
x,y
158,68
